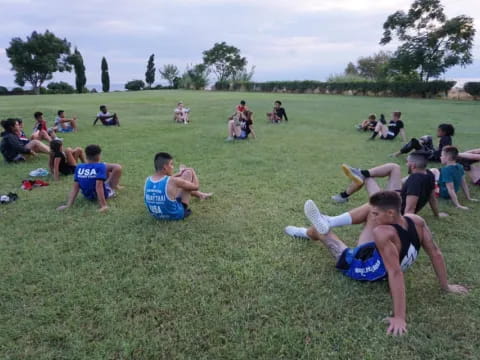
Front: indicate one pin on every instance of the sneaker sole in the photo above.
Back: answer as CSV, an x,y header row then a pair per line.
x,y
315,217
348,173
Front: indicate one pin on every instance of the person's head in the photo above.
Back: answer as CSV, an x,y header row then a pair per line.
x,y
386,206
20,123
449,154
92,152
243,103
416,161
180,104
103,108
61,113
11,125
372,117
164,163
445,130
396,115
55,146
277,103
38,116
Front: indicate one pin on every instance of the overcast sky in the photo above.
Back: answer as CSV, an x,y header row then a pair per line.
x,y
284,39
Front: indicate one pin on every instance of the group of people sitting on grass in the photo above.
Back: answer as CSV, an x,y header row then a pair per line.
x,y
380,127
240,124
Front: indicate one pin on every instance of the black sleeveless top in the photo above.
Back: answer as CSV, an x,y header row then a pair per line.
x,y
410,243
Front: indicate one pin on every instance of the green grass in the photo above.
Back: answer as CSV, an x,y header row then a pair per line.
x,y
226,283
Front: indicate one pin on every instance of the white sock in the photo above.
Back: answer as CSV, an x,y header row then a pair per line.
x,y
340,220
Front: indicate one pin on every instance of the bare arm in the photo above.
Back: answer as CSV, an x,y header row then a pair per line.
x,y
438,262
411,204
56,166
101,195
184,184
403,134
453,196
383,236
465,189
71,197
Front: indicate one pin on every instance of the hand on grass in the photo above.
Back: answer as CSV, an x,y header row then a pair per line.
x,y
63,207
457,289
397,326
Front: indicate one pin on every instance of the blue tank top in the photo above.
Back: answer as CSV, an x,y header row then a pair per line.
x,y
157,201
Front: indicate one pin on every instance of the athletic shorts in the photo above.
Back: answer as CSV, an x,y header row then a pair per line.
x,y
68,170
390,136
477,182
64,130
110,122
362,263
186,211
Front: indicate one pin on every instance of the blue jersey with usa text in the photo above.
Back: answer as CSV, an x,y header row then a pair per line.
x,y
86,175
158,203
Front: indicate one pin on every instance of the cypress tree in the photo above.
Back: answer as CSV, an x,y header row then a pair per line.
x,y
105,76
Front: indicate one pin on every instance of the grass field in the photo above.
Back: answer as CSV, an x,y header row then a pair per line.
x,y
227,283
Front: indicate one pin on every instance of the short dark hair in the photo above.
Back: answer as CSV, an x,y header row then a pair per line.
x,y
103,107
278,102
419,158
386,200
37,114
91,151
9,124
451,151
242,102
161,159
55,146
59,112
448,129
372,116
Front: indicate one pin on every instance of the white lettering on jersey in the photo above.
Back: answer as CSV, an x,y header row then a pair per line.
x,y
87,172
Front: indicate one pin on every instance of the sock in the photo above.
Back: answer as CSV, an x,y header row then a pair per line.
x,y
365,173
375,133
340,220
344,194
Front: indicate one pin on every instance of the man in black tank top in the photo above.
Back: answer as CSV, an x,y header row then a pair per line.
x,y
388,245
416,190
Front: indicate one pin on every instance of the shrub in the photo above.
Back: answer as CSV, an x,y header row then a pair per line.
x,y
135,85
472,88
17,91
60,88
3,90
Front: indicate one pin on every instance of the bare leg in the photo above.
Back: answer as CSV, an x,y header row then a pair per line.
x,y
474,174
381,129
43,135
114,173
79,154
73,123
188,174
470,155
393,171
353,188
331,241
70,157
38,146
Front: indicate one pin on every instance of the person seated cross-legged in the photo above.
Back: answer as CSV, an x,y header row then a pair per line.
x,y
106,118
387,246
64,124
97,180
167,195
416,190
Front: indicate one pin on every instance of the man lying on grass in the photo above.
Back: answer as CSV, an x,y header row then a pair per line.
x,y
167,195
387,246
96,180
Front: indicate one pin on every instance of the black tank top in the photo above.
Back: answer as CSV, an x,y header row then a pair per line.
x,y
410,243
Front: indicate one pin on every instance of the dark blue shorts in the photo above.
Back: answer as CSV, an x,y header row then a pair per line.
x,y
362,263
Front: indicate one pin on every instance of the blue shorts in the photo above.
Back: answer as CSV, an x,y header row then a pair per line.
x,y
65,130
362,263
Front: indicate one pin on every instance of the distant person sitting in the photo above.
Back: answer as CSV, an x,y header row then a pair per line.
x,y
451,177
180,114
106,118
425,144
13,148
390,131
96,180
64,161
167,195
41,130
369,124
64,125
241,126
278,113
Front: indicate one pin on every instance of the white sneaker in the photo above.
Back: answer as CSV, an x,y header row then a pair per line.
x,y
295,231
339,199
230,138
319,221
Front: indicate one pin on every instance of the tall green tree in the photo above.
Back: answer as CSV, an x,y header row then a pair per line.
x,y
36,59
150,73
169,72
195,77
224,60
375,67
430,43
76,60
105,76
351,69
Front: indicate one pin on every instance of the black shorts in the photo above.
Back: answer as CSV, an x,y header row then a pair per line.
x,y
388,137
67,170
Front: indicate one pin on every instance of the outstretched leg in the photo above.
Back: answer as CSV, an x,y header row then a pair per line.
x,y
38,146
